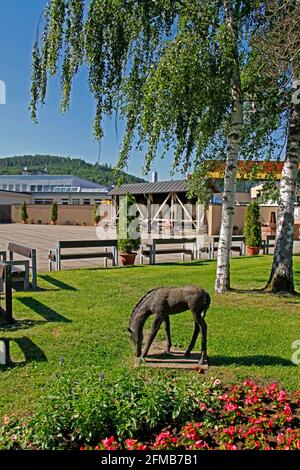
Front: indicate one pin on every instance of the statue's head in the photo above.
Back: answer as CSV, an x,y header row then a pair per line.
x,y
137,342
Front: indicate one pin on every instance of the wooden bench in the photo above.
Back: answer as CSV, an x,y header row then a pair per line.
x,y
58,254
237,245
267,244
150,249
21,268
6,288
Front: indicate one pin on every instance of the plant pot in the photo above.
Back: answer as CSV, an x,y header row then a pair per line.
x,y
53,222
127,258
252,250
24,221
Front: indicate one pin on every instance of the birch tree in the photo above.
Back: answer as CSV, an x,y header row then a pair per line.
x,y
278,49
169,68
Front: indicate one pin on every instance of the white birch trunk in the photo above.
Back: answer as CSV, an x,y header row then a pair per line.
x,y
233,149
281,278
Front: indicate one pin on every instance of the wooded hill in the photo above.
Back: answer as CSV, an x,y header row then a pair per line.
x,y
54,165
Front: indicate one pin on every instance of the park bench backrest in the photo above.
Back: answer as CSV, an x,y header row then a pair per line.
x,y
167,241
22,250
86,243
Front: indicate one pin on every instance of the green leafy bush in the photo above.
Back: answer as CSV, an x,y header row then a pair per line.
x,y
252,228
79,412
54,211
96,213
128,228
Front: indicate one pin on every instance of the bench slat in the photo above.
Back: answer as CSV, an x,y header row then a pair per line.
x,y
108,254
86,243
22,250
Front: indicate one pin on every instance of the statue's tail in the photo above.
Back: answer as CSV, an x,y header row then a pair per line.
x,y
207,302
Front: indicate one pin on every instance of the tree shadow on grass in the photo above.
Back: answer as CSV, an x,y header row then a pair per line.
x,y
20,325
199,262
266,292
41,309
31,352
57,283
259,360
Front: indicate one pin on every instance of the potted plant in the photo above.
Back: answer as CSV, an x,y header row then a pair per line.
x,y
128,230
96,213
252,229
53,213
24,214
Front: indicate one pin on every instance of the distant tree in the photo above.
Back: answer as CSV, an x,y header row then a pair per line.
x,y
96,213
24,214
54,212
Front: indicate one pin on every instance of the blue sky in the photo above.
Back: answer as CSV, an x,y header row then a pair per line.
x,y
56,134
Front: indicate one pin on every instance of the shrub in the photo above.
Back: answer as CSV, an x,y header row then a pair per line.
x,y
158,410
128,227
252,228
54,212
24,214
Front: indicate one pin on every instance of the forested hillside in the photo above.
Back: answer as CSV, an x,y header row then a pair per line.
x,y
64,166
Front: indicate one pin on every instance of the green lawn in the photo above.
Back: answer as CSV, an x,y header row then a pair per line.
x,y
83,316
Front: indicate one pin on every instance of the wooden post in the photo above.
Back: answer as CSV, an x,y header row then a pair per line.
x,y
34,269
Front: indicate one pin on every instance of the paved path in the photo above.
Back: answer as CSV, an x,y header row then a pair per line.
x,y
43,237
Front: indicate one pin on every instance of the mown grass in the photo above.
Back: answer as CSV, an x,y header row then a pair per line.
x,y
83,315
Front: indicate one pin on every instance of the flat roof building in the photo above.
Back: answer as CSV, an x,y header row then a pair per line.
x,y
63,189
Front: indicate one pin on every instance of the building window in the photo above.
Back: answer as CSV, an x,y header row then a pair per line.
x,y
86,202
40,188
76,202
32,187
11,187
18,187
38,201
24,187
65,202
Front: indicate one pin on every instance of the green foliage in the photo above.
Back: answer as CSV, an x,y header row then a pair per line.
x,y
128,227
77,412
24,214
96,213
165,67
252,228
200,185
102,174
54,212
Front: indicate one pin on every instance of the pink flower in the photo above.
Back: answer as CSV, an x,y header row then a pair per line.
x,y
280,438
298,444
130,443
141,447
203,406
216,382
108,441
231,407
230,447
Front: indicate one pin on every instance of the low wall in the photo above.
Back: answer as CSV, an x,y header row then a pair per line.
x,y
67,214
213,215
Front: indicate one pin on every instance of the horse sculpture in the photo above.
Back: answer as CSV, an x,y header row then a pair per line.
x,y
162,302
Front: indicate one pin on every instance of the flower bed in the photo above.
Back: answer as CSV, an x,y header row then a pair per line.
x,y
248,417
161,412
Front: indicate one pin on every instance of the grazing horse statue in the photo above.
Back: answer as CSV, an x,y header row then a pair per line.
x,y
162,302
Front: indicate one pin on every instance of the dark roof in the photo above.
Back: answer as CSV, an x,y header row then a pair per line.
x,y
179,186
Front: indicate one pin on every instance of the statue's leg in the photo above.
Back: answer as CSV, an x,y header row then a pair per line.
x,y
155,327
168,333
193,340
203,358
